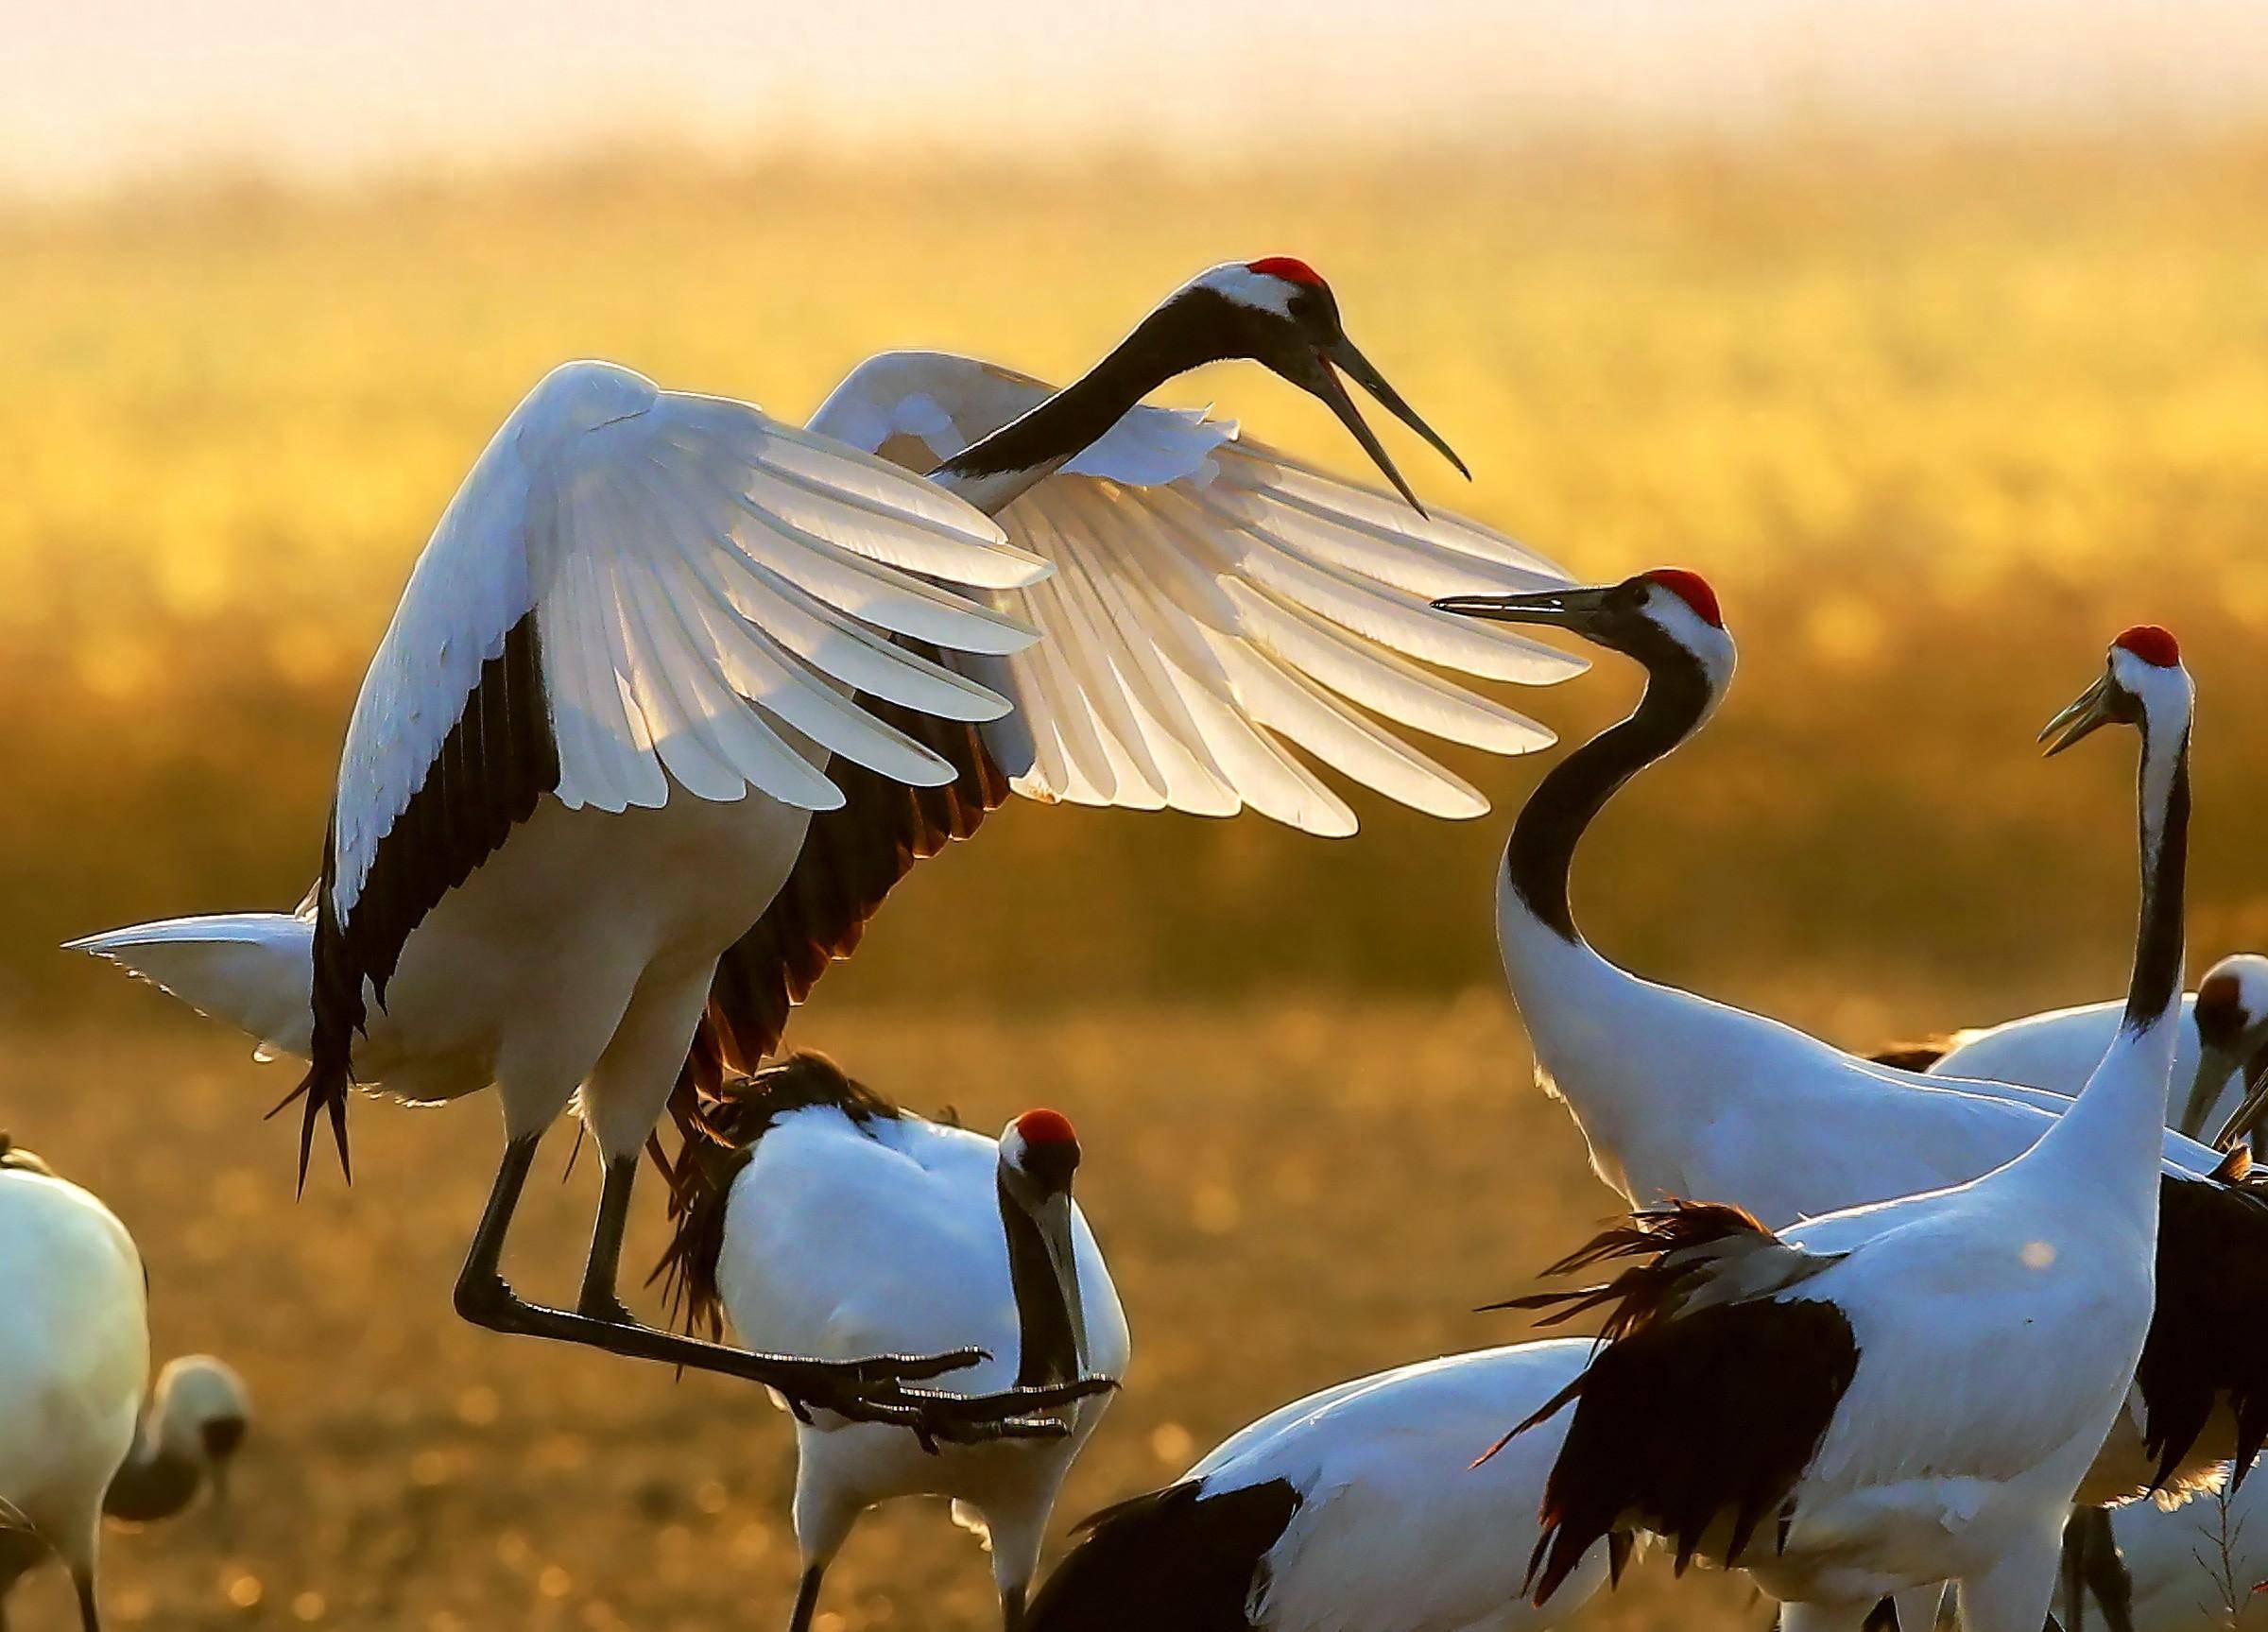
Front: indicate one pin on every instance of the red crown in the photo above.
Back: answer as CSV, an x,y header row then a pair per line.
x,y
1690,588
2151,644
1046,1127
1289,268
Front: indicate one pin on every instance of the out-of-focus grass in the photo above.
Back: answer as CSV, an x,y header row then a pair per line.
x,y
1939,422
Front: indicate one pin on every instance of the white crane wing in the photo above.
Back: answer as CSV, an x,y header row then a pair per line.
x,y
1213,600
638,594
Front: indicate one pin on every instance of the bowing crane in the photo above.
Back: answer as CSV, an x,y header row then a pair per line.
x,y
832,1222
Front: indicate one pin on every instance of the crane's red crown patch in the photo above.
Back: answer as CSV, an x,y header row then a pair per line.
x,y
1690,588
1290,269
1046,1127
2151,644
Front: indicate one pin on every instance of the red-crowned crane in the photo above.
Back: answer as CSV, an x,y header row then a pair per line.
x,y
676,682
1678,1095
830,1222
1877,1399
2223,1047
74,1360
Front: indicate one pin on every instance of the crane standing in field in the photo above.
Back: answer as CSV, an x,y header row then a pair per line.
x,y
660,692
74,1358
1680,1097
1907,1392
191,1432
829,1221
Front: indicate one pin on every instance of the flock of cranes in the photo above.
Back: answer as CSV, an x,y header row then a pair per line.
x,y
679,691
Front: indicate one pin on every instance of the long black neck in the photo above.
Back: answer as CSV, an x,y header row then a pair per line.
x,y
152,1483
1541,851
2165,878
1187,332
1047,1348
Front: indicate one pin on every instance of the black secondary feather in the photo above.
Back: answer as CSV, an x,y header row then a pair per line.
x,y
1173,1558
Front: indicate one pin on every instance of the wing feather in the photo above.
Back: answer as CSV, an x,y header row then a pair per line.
x,y
1211,593
627,590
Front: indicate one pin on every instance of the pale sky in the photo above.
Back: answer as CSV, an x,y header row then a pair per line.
x,y
93,91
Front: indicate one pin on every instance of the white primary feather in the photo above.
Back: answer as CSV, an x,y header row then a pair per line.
x,y
699,572
1214,601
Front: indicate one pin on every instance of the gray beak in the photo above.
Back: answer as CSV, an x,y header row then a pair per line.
x,y
2245,1123
2215,1068
1054,1218
1571,608
2093,708
1317,377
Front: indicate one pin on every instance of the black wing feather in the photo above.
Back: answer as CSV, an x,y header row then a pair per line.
x,y
497,761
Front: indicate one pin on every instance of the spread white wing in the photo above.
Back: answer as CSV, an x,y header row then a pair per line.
x,y
1215,600
638,594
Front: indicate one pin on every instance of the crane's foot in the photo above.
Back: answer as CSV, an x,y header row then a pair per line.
x,y
933,1417
485,1300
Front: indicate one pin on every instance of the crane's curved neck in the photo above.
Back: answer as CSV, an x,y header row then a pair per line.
x,y
2118,1125
995,470
1539,856
153,1482
1049,1347
2153,992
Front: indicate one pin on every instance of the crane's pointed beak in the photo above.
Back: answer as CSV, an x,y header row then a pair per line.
x,y
1313,373
1575,609
1357,368
2088,713
2245,1121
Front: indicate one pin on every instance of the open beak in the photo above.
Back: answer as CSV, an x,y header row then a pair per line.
x,y
1569,608
1318,378
2093,708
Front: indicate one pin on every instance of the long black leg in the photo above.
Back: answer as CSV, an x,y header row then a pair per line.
x,y
604,1268
2103,1570
870,1390
807,1600
89,1616
1011,1609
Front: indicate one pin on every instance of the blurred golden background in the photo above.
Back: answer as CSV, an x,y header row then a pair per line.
x,y
1940,394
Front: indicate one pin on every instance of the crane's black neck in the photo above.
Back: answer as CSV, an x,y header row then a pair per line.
x,y
1047,1350
1191,329
2156,980
1541,851
152,1483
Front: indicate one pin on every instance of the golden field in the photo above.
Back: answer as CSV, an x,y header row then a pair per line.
x,y
1937,423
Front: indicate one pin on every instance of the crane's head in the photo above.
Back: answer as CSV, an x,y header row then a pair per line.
x,y
2142,676
1278,312
1643,617
1039,1153
2231,1016
2232,1002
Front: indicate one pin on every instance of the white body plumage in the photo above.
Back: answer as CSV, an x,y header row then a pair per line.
x,y
73,1362
845,1237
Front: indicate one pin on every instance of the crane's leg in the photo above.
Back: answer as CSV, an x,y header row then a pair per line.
x,y
870,1390
807,1599
89,1616
604,1268
2093,1569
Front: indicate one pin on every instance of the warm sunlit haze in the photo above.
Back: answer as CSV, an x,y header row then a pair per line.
x,y
1941,375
